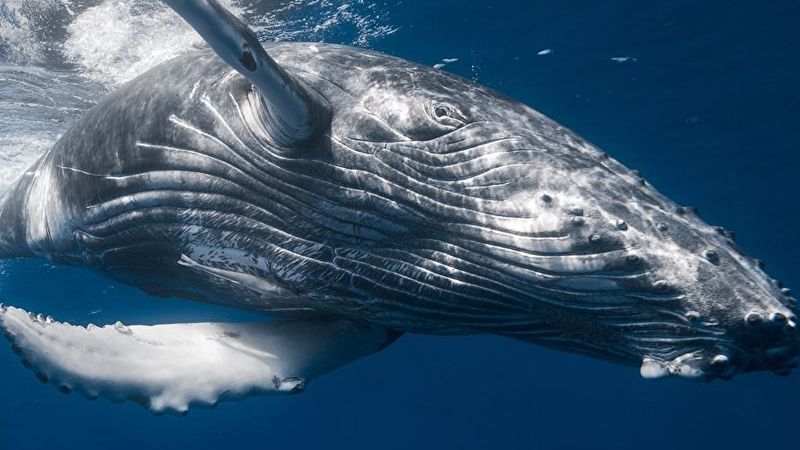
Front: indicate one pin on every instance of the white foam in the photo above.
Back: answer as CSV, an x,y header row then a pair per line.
x,y
116,41
544,52
18,43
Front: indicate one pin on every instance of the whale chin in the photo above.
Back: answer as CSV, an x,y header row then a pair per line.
x,y
704,365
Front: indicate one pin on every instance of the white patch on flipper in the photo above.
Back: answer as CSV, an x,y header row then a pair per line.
x,y
169,368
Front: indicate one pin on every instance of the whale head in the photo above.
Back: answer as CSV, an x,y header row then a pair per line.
x,y
531,232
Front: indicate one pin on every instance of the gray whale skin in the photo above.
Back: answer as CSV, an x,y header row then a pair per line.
x,y
359,196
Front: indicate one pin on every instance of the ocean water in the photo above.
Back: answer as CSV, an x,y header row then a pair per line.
x,y
701,97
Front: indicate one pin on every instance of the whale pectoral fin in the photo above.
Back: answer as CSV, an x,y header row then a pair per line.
x,y
296,112
168,368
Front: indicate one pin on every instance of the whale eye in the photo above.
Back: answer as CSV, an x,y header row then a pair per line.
x,y
447,115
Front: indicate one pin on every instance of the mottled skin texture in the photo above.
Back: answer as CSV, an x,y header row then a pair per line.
x,y
430,205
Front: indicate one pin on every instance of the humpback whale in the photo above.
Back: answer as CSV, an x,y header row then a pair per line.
x,y
355,197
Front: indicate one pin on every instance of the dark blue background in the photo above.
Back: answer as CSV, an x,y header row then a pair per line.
x,y
709,112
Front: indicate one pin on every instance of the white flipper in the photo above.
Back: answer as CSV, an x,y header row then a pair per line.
x,y
168,368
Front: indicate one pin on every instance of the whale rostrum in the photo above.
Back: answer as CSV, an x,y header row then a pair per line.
x,y
356,196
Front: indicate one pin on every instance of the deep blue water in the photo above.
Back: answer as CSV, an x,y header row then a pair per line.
x,y
708,108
